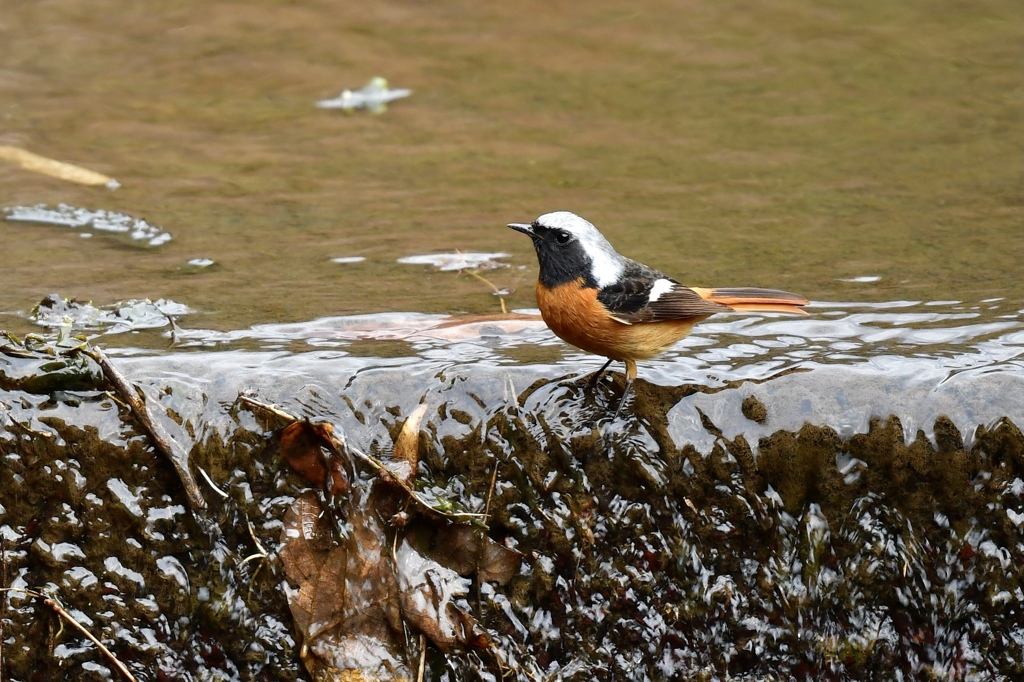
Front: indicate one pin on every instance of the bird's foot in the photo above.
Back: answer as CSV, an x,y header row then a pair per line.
x,y
596,376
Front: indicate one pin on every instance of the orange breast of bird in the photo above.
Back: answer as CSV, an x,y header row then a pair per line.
x,y
573,312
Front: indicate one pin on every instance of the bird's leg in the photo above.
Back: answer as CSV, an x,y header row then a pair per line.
x,y
630,377
597,375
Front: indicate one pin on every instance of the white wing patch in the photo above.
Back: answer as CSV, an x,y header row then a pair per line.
x,y
662,286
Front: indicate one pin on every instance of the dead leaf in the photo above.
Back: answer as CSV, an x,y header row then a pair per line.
x,y
469,551
407,445
428,594
307,447
345,599
350,596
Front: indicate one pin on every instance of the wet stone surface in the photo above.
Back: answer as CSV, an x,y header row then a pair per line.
x,y
788,541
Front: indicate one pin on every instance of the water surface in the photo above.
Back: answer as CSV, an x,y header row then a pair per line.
x,y
795,146
830,497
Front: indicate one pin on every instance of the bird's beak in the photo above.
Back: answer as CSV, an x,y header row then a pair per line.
x,y
525,228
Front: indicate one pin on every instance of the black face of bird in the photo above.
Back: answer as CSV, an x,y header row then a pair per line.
x,y
561,255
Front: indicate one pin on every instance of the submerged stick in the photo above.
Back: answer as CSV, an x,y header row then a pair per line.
x,y
163,442
423,658
390,477
62,612
3,605
496,290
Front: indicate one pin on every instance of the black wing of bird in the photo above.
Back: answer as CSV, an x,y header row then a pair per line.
x,y
629,299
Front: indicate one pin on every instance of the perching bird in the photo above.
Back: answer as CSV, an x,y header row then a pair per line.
x,y
604,303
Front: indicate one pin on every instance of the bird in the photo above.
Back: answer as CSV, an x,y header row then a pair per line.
x,y
596,299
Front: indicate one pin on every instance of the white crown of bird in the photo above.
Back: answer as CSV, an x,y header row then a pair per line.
x,y
606,264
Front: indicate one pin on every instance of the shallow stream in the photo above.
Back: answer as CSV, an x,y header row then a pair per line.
x,y
839,496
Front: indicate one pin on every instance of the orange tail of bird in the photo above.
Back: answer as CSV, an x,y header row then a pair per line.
x,y
754,300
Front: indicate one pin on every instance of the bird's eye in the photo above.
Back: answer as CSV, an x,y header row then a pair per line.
x,y
563,237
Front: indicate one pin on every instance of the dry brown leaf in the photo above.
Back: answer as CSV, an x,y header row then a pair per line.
x,y
349,599
429,592
407,445
307,448
345,601
53,168
470,552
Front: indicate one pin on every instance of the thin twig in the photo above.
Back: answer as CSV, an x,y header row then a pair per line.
x,y
261,551
3,605
490,491
174,327
388,476
60,611
163,442
496,290
209,482
261,555
267,407
512,394
423,658
26,429
252,533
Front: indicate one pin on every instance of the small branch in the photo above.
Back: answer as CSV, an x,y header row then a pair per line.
x,y
174,327
3,605
267,407
8,420
163,442
60,611
209,482
259,545
390,477
423,658
511,393
496,290
490,491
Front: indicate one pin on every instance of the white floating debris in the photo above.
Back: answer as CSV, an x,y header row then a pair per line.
x,y
348,259
374,96
102,221
449,262
865,279
201,262
54,311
